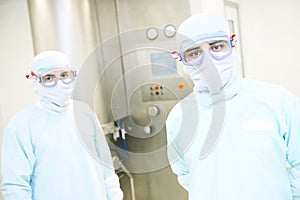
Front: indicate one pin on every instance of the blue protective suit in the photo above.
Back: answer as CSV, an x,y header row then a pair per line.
x,y
48,156
260,135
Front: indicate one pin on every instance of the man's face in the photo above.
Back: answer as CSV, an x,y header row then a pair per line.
x,y
50,79
217,49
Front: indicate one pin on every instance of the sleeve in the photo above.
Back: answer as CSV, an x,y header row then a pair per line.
x,y
17,164
95,141
111,180
112,186
175,153
292,139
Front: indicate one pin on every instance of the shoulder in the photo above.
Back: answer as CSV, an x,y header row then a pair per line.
x,y
264,89
25,115
81,107
19,124
260,85
271,94
83,115
82,110
186,105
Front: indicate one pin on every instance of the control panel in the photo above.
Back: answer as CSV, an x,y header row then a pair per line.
x,y
164,92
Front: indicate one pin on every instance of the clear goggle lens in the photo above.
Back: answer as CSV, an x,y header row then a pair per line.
x,y
50,79
216,49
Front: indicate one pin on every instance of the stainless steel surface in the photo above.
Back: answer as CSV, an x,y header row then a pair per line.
x,y
67,25
134,18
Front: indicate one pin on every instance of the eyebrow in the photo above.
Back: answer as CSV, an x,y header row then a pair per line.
x,y
49,75
210,43
53,74
215,42
187,51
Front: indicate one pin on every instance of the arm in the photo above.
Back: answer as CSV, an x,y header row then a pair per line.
x,y
97,146
175,153
292,139
112,186
17,165
111,180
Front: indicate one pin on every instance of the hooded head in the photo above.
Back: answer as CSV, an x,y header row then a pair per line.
x,y
200,28
203,30
49,61
52,67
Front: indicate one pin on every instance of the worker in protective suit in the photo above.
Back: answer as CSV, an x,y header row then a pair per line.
x,y
231,138
56,150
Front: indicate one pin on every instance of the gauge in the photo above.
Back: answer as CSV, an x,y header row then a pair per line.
x,y
169,30
152,33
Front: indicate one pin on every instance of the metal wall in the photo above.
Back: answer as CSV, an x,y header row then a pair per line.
x,y
107,40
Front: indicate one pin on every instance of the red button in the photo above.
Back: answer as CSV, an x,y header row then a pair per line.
x,y
156,87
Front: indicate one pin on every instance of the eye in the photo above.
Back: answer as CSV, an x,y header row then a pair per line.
x,y
217,47
65,75
48,78
195,53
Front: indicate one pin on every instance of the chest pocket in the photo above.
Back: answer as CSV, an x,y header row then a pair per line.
x,y
263,137
259,126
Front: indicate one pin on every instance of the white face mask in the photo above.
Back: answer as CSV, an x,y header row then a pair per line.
x,y
227,69
55,98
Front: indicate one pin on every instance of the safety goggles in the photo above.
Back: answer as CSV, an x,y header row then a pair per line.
x,y
50,78
217,49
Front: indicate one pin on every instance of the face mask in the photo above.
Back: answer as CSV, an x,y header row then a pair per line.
x,y
55,98
213,77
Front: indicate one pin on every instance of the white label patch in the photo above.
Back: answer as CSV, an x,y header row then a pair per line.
x,y
258,125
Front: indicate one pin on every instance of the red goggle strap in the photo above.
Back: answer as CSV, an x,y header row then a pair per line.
x,y
32,75
176,55
233,40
